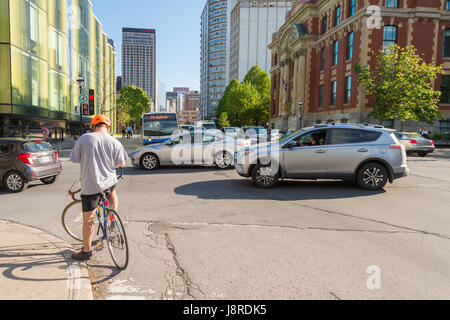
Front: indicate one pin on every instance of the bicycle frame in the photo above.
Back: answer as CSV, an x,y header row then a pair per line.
x,y
103,225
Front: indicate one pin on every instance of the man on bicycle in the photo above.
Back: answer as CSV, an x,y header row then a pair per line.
x,y
99,155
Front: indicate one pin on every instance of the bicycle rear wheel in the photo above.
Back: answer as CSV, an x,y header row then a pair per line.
x,y
72,221
117,240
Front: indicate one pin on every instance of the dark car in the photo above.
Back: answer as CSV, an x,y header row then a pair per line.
x,y
23,161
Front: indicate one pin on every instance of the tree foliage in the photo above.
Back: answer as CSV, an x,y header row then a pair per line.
x,y
247,103
401,86
133,103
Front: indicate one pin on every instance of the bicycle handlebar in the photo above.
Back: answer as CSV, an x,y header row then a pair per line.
x,y
73,193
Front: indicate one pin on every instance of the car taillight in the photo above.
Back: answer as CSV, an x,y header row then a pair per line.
x,y
413,142
26,158
396,146
56,155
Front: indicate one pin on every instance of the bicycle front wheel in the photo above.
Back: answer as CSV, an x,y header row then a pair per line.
x,y
117,240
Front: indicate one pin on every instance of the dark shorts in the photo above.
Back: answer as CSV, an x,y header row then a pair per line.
x,y
90,203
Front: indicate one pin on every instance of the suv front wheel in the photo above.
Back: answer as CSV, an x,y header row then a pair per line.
x,y
264,177
372,176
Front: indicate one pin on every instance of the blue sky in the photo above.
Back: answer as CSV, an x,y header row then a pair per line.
x,y
177,24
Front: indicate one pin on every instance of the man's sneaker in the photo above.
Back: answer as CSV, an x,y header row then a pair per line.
x,y
82,256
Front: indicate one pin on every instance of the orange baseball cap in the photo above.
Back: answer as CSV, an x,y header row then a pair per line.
x,y
101,119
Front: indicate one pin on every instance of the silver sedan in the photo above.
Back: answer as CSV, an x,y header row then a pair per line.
x,y
415,143
199,148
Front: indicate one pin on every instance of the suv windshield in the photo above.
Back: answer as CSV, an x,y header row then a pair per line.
x,y
288,137
37,146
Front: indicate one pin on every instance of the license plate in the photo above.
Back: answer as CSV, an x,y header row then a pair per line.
x,y
46,159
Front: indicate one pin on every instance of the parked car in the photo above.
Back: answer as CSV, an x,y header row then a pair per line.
x,y
207,124
231,131
415,143
201,147
23,161
255,134
187,127
368,155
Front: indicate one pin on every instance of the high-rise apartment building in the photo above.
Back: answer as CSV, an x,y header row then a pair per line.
x,y
160,104
44,47
252,24
139,60
213,56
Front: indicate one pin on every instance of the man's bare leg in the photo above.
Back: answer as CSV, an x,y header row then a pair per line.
x,y
114,200
88,230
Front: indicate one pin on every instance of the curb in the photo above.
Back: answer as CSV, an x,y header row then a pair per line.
x,y
73,274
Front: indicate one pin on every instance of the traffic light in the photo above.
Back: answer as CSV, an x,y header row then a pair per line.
x,y
85,110
91,102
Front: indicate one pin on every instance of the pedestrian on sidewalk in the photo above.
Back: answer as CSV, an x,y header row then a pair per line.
x,y
124,132
129,132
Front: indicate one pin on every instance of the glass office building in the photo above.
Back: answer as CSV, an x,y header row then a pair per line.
x,y
45,45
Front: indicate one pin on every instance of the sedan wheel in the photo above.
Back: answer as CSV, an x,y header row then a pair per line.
x,y
150,161
372,176
264,177
15,182
223,161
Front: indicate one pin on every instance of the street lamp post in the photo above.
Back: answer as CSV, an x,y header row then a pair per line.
x,y
300,116
80,81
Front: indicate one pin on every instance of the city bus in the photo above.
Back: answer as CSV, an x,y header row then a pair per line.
x,y
159,126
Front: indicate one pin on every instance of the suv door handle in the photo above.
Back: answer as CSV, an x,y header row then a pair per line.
x,y
320,151
363,150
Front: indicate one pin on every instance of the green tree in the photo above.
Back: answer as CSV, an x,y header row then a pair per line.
x,y
135,102
223,120
247,103
401,86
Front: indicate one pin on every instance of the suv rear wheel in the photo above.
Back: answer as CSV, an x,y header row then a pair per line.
x,y
264,177
14,182
372,176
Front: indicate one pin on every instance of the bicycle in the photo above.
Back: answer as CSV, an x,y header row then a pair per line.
x,y
108,222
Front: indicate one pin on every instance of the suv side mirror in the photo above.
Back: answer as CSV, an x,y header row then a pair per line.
x,y
290,144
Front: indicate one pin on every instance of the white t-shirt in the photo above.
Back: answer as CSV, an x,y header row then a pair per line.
x,y
99,155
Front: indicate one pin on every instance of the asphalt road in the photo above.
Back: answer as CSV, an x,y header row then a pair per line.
x,y
200,233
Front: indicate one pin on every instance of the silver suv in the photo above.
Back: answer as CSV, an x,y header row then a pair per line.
x,y
368,155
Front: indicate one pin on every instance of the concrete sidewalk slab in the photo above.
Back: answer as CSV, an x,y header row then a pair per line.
x,y
36,265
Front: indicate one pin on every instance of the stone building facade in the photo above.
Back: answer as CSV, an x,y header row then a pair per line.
x,y
314,52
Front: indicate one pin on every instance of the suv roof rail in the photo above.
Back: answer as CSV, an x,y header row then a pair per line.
x,y
324,125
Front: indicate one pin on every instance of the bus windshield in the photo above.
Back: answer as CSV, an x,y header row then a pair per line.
x,y
160,124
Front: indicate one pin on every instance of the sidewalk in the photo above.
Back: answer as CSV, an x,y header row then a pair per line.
x,y
35,265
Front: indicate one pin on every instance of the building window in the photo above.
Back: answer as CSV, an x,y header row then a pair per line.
x,y
447,5
321,96
335,52
337,16
447,43
351,7
445,89
444,127
348,89
389,36
333,93
324,25
350,46
388,124
391,4
322,59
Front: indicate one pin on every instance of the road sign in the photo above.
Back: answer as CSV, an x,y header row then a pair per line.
x,y
77,109
84,99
